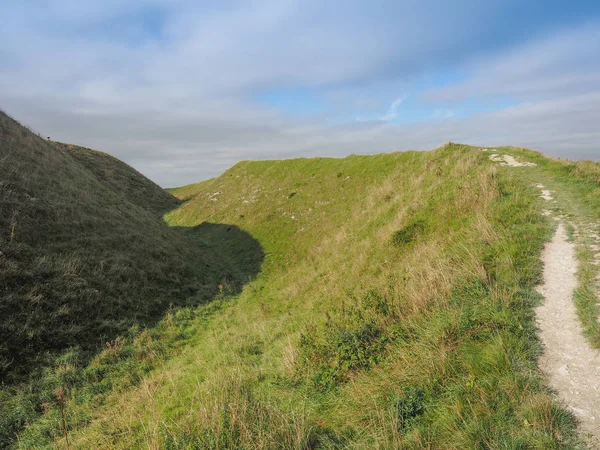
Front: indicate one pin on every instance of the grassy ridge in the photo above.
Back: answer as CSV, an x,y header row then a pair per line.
x,y
84,257
393,310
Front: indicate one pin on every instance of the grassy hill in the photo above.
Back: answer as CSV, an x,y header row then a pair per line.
x,y
85,254
388,303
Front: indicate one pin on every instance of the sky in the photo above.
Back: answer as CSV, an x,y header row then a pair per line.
x,y
183,89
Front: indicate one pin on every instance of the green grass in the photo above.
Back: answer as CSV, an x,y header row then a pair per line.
x,y
362,330
370,302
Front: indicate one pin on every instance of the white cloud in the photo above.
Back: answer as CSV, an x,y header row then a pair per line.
x,y
563,64
176,102
181,151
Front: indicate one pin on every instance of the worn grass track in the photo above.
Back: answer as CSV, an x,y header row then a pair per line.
x,y
571,286
574,188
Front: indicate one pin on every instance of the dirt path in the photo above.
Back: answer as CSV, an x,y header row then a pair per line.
x,y
508,160
572,366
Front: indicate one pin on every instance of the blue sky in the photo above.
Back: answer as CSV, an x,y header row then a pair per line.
x,y
183,89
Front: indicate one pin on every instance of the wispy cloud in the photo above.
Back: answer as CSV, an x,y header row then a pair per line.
x,y
392,112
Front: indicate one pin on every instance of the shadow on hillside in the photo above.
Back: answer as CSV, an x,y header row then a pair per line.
x,y
214,260
222,257
240,254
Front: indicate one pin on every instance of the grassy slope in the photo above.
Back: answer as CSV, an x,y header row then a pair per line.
x,y
393,310
84,256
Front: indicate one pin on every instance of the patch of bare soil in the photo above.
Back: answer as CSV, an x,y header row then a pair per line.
x,y
507,160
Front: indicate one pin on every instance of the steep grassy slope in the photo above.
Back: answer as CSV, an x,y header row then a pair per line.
x,y
117,176
84,253
394,309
